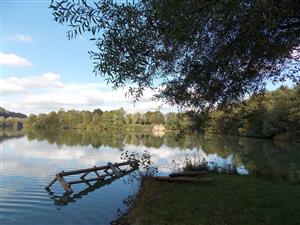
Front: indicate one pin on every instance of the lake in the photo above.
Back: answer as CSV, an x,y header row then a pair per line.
x,y
30,160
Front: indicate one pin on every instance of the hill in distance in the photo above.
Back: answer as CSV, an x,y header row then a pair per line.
x,y
5,113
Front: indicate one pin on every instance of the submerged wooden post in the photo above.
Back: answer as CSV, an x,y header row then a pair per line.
x,y
117,172
84,175
51,183
64,183
97,174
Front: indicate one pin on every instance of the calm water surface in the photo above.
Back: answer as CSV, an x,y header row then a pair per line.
x,y
30,161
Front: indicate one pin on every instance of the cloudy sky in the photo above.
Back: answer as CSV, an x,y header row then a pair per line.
x,y
42,71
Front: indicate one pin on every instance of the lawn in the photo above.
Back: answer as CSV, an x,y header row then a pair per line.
x,y
229,199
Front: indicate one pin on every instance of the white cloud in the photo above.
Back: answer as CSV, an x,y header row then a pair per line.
x,y
13,60
19,38
10,88
14,85
46,80
45,93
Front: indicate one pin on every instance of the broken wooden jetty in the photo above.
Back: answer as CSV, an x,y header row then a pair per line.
x,y
69,197
103,173
187,176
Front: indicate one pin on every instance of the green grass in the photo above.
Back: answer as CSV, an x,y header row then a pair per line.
x,y
228,200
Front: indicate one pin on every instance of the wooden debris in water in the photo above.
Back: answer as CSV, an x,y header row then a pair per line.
x,y
188,174
184,179
114,169
109,172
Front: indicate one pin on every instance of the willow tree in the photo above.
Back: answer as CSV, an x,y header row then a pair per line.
x,y
196,53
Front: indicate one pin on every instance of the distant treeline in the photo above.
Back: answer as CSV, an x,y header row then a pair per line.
x,y
274,114
115,119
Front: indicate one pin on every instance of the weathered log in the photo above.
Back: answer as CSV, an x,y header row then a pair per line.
x,y
184,179
87,180
108,173
132,163
97,174
114,169
64,183
188,174
84,175
88,183
51,183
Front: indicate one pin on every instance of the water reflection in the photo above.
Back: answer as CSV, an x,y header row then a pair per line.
x,y
8,134
245,155
28,166
30,162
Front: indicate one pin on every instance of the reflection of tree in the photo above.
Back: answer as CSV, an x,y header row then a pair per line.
x,y
268,159
133,139
259,156
223,146
182,141
8,134
149,140
79,137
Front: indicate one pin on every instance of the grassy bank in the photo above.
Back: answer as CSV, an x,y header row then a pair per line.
x,y
229,199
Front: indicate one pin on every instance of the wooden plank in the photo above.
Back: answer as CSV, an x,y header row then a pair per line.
x,y
73,172
184,179
87,183
97,174
84,175
121,170
51,183
188,174
113,168
87,180
108,173
102,178
64,183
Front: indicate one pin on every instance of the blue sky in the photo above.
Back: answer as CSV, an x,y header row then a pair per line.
x,y
42,71
49,49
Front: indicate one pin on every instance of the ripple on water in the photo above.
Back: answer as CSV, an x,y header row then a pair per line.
x,y
29,203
